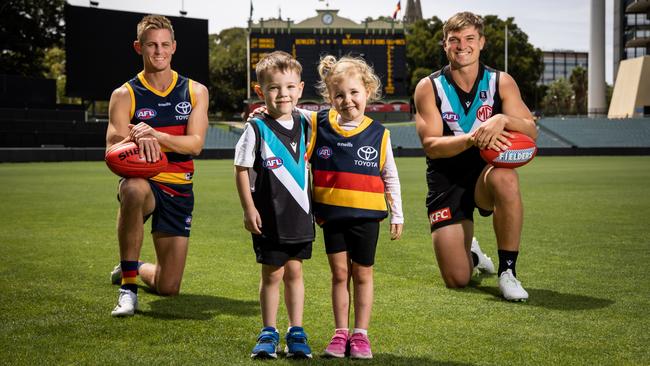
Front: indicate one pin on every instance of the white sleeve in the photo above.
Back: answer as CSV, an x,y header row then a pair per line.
x,y
392,186
245,148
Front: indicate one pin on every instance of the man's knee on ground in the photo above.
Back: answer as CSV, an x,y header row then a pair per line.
x,y
169,289
457,280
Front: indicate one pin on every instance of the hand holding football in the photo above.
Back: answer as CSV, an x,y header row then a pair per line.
x,y
124,160
521,151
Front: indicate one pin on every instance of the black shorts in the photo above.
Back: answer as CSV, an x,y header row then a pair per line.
x,y
173,211
451,195
269,252
357,237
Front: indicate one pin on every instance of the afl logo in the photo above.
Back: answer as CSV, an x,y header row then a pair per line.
x,y
450,117
184,108
145,113
484,113
272,163
367,153
324,152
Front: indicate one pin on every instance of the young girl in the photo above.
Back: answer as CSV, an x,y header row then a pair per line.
x,y
354,174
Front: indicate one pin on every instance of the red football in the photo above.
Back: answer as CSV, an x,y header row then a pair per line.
x,y
124,160
522,150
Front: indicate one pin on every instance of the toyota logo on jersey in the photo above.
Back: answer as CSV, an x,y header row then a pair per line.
x,y
184,108
367,153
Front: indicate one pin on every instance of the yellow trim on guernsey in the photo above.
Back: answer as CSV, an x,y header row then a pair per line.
x,y
173,178
156,91
333,118
382,156
349,198
132,94
190,87
312,138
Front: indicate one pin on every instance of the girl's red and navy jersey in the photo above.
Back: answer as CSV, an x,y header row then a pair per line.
x,y
346,169
167,111
281,193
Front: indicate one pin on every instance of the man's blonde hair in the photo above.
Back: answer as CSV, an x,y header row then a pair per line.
x,y
461,21
154,22
277,61
332,70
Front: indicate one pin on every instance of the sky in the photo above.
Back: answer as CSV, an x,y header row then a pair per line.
x,y
550,24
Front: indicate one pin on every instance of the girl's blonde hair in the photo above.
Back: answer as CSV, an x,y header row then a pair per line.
x,y
331,70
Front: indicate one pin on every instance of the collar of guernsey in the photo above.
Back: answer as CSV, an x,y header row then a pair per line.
x,y
452,111
292,173
346,185
166,118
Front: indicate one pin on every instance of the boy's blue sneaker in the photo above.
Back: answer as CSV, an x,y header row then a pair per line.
x,y
297,346
267,344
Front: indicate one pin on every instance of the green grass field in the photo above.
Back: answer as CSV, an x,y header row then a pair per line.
x,y
585,254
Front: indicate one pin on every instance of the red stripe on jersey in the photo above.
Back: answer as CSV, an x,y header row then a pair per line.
x,y
180,167
171,191
178,130
351,181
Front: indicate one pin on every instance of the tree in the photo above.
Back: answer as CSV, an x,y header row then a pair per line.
x,y
525,63
27,29
559,98
228,70
424,52
578,80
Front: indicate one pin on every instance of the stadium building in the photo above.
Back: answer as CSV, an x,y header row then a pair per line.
x,y
380,42
559,64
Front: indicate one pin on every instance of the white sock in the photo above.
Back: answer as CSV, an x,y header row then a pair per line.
x,y
359,330
346,330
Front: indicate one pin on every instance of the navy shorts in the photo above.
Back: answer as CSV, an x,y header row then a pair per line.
x,y
272,253
173,212
357,237
450,198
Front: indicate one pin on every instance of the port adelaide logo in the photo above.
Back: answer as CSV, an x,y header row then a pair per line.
x,y
367,154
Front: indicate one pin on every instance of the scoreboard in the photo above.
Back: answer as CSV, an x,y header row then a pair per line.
x,y
386,53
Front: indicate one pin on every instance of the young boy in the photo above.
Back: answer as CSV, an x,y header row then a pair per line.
x,y
273,185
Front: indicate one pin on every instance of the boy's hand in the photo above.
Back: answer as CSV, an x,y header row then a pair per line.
x,y
253,221
396,231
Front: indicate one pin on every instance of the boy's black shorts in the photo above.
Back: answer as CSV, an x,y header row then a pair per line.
x,y
358,237
268,251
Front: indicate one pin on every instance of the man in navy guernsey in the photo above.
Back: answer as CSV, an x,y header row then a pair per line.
x,y
161,111
462,108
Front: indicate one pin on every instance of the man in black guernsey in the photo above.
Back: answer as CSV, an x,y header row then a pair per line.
x,y
461,109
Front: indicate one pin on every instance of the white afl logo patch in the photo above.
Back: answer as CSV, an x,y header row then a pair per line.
x,y
324,152
183,108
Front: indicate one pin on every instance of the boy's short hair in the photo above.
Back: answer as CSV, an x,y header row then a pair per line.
x,y
277,61
153,22
460,21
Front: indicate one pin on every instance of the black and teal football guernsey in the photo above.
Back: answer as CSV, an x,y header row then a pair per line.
x,y
281,180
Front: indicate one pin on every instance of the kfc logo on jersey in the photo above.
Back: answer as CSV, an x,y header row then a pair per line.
x,y
324,152
272,163
443,214
144,114
450,117
484,113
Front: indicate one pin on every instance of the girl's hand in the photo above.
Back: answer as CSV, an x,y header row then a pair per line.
x,y
396,231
